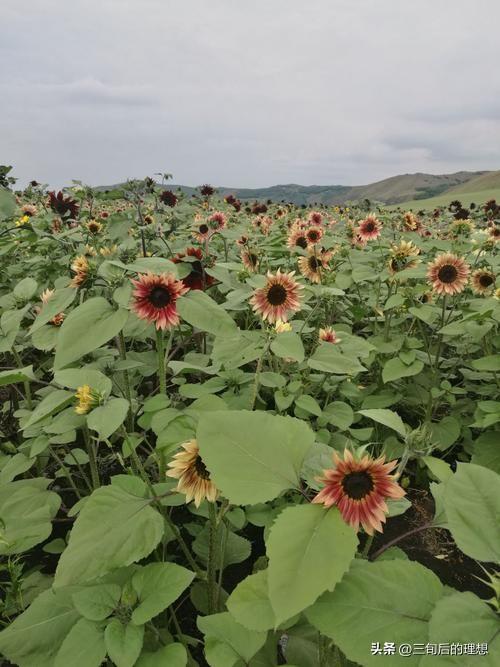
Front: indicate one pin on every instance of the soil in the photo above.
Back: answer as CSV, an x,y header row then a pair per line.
x,y
433,547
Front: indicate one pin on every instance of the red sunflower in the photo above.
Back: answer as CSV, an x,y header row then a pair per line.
x,y
359,489
448,274
155,297
279,298
197,278
370,228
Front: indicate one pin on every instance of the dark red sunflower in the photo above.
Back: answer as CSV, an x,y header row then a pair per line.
x,y
155,297
197,278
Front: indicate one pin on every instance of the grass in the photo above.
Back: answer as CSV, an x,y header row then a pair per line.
x,y
478,197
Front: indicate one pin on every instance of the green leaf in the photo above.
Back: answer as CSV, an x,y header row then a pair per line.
x,y
77,377
202,312
439,468
173,655
490,363
445,432
253,456
288,345
123,642
308,404
87,327
329,358
338,414
84,646
387,418
249,603
13,466
113,529
236,548
16,375
97,602
34,638
25,289
394,369
158,585
487,452
60,300
10,322
237,350
52,403
462,618
107,418
7,203
309,549
383,599
472,505
26,513
225,630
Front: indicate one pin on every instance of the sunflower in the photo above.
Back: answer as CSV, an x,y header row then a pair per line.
x,y
88,398
494,232
45,297
403,256
94,226
196,278
312,265
155,297
29,210
370,228
359,489
448,274
462,227
194,478
315,218
250,260
217,221
314,235
202,232
297,239
411,222
329,335
483,281
279,298
80,268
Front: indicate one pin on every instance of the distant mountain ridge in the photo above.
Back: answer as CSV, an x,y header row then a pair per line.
x,y
393,190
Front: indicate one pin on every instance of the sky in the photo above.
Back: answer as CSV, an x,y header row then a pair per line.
x,y
248,94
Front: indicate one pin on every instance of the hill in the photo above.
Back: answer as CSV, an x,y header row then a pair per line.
x,y
394,190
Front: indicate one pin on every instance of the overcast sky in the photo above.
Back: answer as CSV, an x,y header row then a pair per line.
x,y
248,93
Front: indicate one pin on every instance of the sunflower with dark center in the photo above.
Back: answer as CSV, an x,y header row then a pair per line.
x,y
403,256
202,232
483,281
207,190
314,235
297,239
197,278
168,198
369,229
250,260
188,467
448,274
312,266
359,488
154,299
279,298
64,206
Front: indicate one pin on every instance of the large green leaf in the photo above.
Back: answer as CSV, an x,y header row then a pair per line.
x,y
7,203
158,585
253,456
387,418
309,550
113,529
76,377
26,513
123,642
16,375
10,322
377,601
86,328
462,618
487,452
173,655
472,505
394,369
107,418
34,638
288,345
223,629
249,603
202,312
84,646
329,358
50,404
60,300
96,603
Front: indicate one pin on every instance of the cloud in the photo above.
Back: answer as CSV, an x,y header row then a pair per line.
x,y
248,94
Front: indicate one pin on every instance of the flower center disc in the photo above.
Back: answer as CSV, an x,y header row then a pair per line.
x,y
313,263
203,229
276,295
485,280
357,485
447,273
201,468
159,297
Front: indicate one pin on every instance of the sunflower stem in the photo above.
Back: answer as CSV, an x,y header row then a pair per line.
x,y
161,361
367,547
92,454
212,552
122,349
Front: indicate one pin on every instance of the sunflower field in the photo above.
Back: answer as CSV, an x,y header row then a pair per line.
x,y
247,434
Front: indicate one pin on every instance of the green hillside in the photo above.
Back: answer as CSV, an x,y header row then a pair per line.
x,y
488,181
478,197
